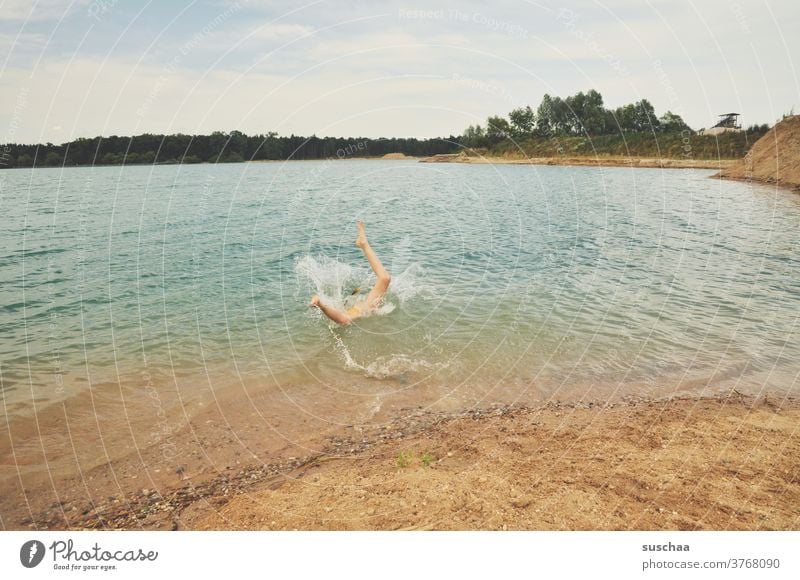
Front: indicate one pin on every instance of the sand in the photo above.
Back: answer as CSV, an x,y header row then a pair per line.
x,y
678,465
775,158
686,163
720,463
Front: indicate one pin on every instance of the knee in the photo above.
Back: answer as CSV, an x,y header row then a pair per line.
x,y
386,279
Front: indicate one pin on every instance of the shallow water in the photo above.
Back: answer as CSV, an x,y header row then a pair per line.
x,y
509,282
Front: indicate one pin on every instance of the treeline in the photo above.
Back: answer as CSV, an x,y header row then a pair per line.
x,y
643,145
582,115
576,125
219,147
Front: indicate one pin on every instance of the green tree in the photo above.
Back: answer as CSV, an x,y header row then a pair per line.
x,y
593,114
626,118
646,119
497,129
562,117
24,160
474,136
522,122
544,116
573,119
672,123
53,159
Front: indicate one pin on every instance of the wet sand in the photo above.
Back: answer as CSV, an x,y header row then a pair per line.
x,y
726,462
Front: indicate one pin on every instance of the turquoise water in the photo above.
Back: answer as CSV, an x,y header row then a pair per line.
x,y
508,281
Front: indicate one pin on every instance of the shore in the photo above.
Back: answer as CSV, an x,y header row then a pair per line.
x,y
774,159
663,163
718,463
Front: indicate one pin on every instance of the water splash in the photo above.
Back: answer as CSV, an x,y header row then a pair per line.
x,y
342,285
329,277
393,366
399,366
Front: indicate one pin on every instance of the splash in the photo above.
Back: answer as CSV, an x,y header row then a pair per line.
x,y
342,285
399,366
394,366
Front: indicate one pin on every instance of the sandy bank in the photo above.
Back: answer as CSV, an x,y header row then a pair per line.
x,y
689,464
775,158
586,161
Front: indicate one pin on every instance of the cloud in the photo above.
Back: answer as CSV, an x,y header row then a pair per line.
x,y
279,31
22,41
41,10
348,70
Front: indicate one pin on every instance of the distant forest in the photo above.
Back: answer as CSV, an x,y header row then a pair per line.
x,y
576,125
218,147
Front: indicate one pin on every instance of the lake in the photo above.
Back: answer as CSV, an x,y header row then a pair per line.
x,y
187,284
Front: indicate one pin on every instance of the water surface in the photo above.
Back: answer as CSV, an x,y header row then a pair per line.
x,y
509,282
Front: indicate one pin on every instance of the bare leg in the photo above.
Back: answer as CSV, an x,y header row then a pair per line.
x,y
334,314
382,285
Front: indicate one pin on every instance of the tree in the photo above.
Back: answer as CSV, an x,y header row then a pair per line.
x,y
594,114
522,122
646,119
561,115
626,118
474,136
672,123
109,159
573,118
24,160
544,116
497,128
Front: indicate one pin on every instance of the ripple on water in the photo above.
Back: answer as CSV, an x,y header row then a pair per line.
x,y
500,274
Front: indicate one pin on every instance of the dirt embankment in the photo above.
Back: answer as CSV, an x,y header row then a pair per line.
x,y
775,158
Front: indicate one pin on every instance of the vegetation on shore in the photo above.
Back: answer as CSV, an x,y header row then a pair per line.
x,y
637,145
219,147
580,125
576,126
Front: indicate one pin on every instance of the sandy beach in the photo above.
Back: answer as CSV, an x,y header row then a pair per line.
x,y
663,163
644,162
718,463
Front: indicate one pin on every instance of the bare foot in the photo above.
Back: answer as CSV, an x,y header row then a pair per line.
x,y
314,302
361,241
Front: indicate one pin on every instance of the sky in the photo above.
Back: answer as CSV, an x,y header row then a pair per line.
x,y
81,68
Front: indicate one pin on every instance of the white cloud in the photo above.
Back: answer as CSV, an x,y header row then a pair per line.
x,y
23,41
360,75
39,10
279,31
